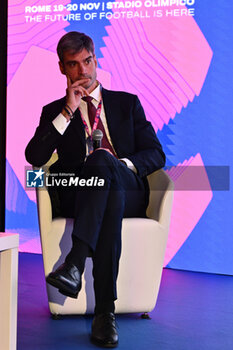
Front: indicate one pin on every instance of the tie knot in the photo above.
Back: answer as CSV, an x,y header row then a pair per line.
x,y
87,99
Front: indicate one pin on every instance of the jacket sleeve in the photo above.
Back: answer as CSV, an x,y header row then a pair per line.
x,y
45,140
149,155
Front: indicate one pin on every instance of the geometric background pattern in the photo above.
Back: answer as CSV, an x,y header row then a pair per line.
x,y
180,67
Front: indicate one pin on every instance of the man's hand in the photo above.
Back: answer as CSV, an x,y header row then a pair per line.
x,y
74,93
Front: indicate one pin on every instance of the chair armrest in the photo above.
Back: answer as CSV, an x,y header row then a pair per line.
x,y
44,206
161,197
44,209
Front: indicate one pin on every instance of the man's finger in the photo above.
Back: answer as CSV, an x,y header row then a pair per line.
x,y
79,82
80,90
69,84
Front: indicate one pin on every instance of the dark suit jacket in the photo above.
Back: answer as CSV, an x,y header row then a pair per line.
x,y
132,136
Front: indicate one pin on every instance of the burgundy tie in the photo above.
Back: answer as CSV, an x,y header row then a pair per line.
x,y
91,109
91,114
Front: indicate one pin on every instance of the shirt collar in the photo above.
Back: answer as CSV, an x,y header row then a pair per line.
x,y
96,93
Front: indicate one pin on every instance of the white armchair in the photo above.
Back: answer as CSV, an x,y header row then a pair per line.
x,y
143,248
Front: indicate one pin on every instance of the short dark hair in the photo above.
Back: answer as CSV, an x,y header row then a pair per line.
x,y
74,42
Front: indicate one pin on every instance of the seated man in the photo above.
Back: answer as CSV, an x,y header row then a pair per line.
x,y
130,151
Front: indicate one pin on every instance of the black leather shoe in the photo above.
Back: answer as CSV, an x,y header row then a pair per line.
x,y
67,279
103,332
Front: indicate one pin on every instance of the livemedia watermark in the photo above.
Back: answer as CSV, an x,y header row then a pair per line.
x,y
41,178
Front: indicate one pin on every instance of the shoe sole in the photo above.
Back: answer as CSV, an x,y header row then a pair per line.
x,y
103,344
62,288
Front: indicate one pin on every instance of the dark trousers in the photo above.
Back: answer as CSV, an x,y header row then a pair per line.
x,y
99,212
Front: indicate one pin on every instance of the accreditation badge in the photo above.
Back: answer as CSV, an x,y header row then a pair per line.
x,y
89,142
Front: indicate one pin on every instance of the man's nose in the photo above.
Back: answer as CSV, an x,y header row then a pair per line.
x,y
82,69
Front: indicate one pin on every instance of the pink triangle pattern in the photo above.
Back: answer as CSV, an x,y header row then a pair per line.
x,y
23,35
192,196
158,59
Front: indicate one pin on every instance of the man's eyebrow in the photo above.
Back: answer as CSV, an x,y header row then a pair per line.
x,y
87,58
74,61
71,61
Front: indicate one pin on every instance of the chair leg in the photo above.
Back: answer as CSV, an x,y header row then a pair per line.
x,y
56,317
145,316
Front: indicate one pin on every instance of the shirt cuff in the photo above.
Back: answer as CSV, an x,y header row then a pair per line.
x,y
129,164
60,123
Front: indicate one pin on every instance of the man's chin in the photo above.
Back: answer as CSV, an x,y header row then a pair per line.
x,y
87,85
90,86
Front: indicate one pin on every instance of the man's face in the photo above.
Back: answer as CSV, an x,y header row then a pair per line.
x,y
79,66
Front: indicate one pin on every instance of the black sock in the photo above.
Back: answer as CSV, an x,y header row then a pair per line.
x,y
79,251
104,307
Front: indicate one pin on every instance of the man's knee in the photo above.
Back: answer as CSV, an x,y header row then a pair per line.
x,y
101,157
100,163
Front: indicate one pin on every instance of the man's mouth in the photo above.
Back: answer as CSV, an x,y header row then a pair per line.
x,y
86,77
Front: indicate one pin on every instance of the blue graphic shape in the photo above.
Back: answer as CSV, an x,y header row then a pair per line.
x,y
21,212
205,127
95,28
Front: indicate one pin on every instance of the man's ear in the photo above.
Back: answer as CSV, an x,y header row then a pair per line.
x,y
95,60
61,66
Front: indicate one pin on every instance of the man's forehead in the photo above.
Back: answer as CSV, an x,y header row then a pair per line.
x,y
77,56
